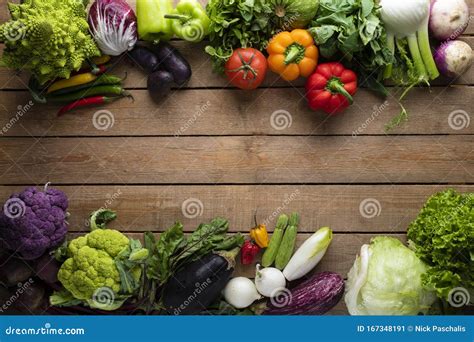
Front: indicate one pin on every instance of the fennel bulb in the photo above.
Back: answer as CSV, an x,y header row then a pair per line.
x,y
409,19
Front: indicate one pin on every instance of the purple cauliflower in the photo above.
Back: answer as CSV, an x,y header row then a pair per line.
x,y
33,221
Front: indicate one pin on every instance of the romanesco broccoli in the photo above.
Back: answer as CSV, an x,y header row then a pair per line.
x,y
50,38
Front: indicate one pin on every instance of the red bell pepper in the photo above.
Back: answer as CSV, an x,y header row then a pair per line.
x,y
330,88
248,252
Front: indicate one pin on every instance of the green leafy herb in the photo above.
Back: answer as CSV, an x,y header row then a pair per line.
x,y
166,248
352,30
173,249
235,24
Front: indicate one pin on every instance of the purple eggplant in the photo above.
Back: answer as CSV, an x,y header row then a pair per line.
x,y
315,296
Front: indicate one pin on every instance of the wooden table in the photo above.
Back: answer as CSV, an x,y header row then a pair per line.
x,y
216,149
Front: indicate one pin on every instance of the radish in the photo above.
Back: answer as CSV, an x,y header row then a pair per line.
x,y
448,18
454,58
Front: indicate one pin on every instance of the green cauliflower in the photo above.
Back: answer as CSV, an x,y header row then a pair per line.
x,y
50,38
102,269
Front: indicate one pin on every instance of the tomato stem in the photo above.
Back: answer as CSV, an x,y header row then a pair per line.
x,y
246,66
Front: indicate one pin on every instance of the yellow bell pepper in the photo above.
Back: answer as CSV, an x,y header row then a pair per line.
x,y
292,54
259,234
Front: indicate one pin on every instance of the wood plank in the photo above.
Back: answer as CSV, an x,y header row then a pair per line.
x,y
248,160
236,112
203,77
155,208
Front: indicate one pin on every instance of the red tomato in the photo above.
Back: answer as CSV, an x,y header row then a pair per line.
x,y
246,68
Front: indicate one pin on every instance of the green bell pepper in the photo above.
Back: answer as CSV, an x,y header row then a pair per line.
x,y
151,21
189,21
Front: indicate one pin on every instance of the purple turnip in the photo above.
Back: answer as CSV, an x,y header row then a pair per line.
x,y
454,58
448,18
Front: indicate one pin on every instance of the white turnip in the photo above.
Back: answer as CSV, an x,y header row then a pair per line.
x,y
448,18
269,281
454,58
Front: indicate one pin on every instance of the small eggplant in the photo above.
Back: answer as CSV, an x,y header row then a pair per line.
x,y
159,84
172,60
144,58
315,296
195,287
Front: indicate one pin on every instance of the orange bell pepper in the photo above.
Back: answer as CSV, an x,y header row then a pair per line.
x,y
292,54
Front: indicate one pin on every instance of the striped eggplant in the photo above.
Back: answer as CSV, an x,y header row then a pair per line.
x,y
315,296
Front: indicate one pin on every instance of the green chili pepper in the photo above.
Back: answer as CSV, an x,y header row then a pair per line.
x,y
93,91
189,21
152,24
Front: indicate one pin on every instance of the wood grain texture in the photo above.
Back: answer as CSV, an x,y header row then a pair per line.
x,y
236,112
155,208
249,160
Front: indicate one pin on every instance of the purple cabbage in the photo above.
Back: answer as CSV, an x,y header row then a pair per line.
x,y
33,221
113,25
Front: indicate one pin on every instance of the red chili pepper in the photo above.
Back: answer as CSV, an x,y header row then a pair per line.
x,y
248,252
88,101
331,87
